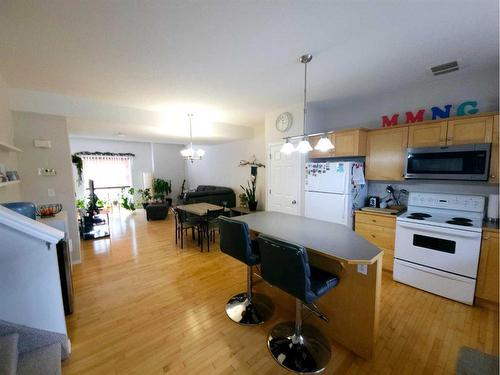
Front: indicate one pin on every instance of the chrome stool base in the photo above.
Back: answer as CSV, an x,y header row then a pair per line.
x,y
308,353
243,311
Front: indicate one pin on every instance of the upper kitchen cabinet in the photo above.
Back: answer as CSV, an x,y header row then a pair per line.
x,y
349,142
346,142
494,153
470,130
427,135
385,150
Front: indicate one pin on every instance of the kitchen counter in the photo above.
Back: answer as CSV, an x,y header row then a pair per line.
x,y
329,239
353,307
489,226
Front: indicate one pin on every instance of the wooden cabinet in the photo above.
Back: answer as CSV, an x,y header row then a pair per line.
x,y
487,276
349,143
494,153
346,143
427,135
385,150
380,230
470,130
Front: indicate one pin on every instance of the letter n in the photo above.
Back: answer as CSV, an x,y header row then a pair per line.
x,y
388,122
410,117
439,113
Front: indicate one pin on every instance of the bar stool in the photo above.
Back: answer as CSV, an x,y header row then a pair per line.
x,y
299,348
244,308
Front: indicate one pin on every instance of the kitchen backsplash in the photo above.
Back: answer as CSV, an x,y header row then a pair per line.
x,y
377,188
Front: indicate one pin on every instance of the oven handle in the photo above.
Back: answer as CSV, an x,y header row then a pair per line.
x,y
456,233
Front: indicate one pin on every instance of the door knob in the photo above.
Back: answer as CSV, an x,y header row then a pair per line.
x,y
294,202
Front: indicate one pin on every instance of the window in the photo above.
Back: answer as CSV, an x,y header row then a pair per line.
x,y
107,171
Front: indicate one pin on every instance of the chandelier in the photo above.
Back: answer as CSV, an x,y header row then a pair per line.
x,y
190,153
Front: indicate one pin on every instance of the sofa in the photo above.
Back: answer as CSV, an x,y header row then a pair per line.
x,y
218,195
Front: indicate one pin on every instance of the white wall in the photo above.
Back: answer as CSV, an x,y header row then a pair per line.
x,y
167,160
366,111
169,165
9,193
34,188
30,289
220,167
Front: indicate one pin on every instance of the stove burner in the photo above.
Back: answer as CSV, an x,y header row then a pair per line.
x,y
418,215
461,219
462,223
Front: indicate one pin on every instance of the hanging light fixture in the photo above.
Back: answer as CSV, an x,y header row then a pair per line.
x,y
190,153
324,144
287,148
304,146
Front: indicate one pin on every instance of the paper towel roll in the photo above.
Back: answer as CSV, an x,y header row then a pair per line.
x,y
493,207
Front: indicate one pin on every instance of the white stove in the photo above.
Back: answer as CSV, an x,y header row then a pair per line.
x,y
438,242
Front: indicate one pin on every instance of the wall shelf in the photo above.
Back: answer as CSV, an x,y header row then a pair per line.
x,y
8,147
2,184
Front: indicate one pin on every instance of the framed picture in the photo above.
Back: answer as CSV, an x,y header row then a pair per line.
x,y
12,176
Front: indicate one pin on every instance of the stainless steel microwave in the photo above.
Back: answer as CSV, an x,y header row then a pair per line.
x,y
463,162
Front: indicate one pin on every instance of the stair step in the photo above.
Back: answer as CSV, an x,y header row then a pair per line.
x,y
8,354
42,361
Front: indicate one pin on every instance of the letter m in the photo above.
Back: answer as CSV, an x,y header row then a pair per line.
x,y
410,117
388,122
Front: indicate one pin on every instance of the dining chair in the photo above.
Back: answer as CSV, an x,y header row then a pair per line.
x,y
182,224
210,226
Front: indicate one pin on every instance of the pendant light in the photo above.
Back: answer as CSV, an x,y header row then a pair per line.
x,y
287,148
304,146
324,144
190,153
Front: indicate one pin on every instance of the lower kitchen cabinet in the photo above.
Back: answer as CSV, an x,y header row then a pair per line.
x,y
487,277
380,230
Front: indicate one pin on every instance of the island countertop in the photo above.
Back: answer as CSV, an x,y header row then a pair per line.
x,y
330,239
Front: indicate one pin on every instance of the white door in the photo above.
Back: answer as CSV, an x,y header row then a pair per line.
x,y
284,181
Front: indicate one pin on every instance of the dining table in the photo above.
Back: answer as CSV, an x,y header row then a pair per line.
x,y
353,306
199,209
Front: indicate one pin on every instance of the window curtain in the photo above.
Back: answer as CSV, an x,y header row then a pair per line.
x,y
107,170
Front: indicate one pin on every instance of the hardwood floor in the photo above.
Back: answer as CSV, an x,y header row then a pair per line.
x,y
145,306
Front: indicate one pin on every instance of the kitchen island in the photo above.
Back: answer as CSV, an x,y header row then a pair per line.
x,y
353,306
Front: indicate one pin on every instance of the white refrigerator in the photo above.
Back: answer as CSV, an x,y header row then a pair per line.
x,y
333,190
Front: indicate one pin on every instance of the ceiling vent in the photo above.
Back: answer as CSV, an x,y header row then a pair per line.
x,y
445,68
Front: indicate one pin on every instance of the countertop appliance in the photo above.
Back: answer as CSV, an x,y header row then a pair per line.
x,y
333,190
438,240
462,162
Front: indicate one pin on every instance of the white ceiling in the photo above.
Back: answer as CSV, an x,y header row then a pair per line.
x,y
231,61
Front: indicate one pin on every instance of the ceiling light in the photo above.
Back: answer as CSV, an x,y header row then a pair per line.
x,y
287,148
190,153
324,144
304,146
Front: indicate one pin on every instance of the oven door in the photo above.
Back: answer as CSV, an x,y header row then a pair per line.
x,y
463,162
444,249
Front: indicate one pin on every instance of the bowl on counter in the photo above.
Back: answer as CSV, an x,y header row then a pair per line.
x,y
48,210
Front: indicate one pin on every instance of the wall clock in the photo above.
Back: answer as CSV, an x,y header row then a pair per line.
x,y
284,122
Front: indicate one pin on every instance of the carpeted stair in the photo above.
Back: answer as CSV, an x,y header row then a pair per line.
x,y
27,351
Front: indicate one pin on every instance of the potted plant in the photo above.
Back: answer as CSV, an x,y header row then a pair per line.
x,y
78,162
250,193
161,189
145,195
126,197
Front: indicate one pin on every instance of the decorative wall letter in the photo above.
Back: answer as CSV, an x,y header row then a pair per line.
x,y
410,117
386,122
461,110
439,113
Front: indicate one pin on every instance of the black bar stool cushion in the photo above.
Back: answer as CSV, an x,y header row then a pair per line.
x,y
286,266
235,241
